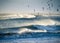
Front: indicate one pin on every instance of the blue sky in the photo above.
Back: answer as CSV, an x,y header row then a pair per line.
x,y
22,5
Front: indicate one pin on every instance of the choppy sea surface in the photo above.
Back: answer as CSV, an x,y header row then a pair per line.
x,y
40,29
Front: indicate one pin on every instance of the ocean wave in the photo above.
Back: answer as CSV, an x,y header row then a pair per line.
x,y
32,28
19,23
31,31
14,16
28,19
28,15
24,30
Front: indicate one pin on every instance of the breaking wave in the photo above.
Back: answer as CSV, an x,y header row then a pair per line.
x,y
30,19
31,31
29,26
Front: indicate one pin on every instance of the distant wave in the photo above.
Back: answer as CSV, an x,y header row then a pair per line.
x,y
14,16
25,22
28,19
26,15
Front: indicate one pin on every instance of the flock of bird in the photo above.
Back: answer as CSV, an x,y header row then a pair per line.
x,y
50,6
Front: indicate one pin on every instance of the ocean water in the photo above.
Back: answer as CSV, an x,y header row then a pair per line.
x,y
51,36
30,38
40,29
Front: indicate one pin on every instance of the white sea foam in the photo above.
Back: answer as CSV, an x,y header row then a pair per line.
x,y
18,23
13,16
24,30
25,15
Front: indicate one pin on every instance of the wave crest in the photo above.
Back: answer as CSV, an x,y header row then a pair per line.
x,y
24,30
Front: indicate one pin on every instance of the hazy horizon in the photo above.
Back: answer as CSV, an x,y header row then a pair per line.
x,y
29,6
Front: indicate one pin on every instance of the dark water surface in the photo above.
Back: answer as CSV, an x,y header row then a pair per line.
x,y
30,38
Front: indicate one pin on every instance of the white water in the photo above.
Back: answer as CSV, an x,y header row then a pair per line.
x,y
24,30
42,19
